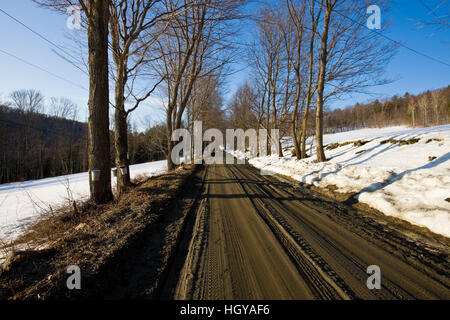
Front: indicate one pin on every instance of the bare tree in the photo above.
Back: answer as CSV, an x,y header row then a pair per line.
x,y
272,63
97,19
412,109
62,108
97,13
318,49
194,46
324,52
133,32
242,108
351,57
30,143
305,35
423,103
28,100
180,51
312,84
437,101
65,143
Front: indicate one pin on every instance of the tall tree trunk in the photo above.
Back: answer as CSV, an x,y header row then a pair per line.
x,y
275,121
425,115
308,93
321,85
121,131
436,113
170,164
98,137
295,138
269,94
303,135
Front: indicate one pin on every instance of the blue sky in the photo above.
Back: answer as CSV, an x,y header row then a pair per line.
x,y
19,41
415,73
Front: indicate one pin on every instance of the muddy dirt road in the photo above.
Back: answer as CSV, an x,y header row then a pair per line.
x,y
254,237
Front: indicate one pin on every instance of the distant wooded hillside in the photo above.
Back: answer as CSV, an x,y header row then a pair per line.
x,y
427,109
34,145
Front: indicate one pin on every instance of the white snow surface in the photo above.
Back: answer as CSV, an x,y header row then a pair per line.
x,y
397,180
22,203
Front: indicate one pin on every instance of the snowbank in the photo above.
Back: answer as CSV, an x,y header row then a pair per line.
x,y
399,180
23,202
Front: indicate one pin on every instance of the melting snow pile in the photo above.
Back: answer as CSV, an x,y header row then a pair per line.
x,y
391,171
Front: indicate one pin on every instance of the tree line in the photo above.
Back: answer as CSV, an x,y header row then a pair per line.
x,y
430,108
305,54
171,45
35,145
43,138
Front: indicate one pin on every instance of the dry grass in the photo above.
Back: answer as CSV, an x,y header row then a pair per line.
x,y
401,142
434,139
52,226
90,239
356,143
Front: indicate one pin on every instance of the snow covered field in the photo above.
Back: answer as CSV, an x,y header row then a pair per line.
x,y
400,181
21,203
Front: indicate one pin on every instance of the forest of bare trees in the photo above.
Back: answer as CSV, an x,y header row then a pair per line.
x,y
42,138
35,145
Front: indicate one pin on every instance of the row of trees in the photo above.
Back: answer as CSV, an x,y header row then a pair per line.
x,y
175,46
36,145
305,54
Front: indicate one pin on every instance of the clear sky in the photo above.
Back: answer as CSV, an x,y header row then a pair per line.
x,y
415,73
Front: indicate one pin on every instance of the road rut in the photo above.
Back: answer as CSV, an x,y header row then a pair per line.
x,y
255,237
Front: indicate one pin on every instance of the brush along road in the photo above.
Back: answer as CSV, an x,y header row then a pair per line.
x,y
255,237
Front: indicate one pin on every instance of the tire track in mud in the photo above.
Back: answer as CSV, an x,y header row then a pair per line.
x,y
256,238
272,212
190,268
232,253
319,275
347,254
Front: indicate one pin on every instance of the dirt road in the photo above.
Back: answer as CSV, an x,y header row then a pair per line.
x,y
254,237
